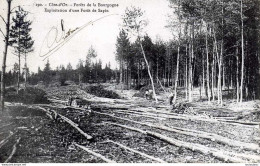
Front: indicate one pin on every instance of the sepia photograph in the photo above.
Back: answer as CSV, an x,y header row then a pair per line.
x,y
129,81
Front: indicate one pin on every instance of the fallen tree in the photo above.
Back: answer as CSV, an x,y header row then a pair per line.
x,y
4,141
195,133
6,125
13,151
64,107
74,125
195,118
140,114
226,156
240,122
94,153
135,151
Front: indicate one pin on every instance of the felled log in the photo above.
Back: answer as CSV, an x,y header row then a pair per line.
x,y
57,101
196,133
5,125
95,154
192,146
211,136
140,153
240,122
74,125
3,142
64,107
196,118
226,118
13,151
106,106
141,114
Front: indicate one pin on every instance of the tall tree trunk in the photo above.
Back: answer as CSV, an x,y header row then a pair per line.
x,y
212,78
190,75
207,54
172,75
237,75
19,70
148,69
121,72
130,78
25,73
219,59
186,76
221,56
138,73
242,47
121,75
230,74
203,73
168,77
192,58
165,77
223,75
157,69
220,65
127,76
5,55
177,75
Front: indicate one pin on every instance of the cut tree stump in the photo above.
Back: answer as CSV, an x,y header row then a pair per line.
x,y
95,154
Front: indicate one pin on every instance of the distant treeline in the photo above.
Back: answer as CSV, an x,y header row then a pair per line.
x,y
82,74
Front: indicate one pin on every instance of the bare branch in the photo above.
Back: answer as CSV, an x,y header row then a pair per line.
x,y
2,33
3,19
14,8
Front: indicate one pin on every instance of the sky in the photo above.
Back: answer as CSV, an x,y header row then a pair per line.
x,y
101,35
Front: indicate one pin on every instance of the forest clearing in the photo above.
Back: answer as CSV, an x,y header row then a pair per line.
x,y
130,129
165,81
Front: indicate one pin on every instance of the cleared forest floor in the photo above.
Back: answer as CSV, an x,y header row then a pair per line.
x,y
126,130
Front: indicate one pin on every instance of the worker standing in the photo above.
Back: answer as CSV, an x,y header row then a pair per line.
x,y
70,101
171,98
146,94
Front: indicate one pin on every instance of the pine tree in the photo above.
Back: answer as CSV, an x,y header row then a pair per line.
x,y
122,53
20,38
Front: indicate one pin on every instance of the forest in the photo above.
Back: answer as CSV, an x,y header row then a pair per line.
x,y
215,46
193,98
